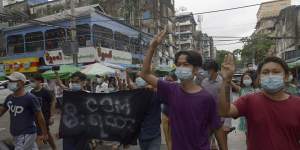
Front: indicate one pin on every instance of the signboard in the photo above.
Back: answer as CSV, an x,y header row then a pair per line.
x,y
85,55
114,56
107,116
21,65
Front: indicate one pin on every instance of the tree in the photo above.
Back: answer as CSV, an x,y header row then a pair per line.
x,y
257,47
220,56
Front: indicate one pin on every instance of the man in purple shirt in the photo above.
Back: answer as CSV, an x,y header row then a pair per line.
x,y
192,110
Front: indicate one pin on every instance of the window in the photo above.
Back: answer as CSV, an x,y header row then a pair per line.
x,y
34,41
83,35
15,44
135,45
54,38
122,41
103,36
147,15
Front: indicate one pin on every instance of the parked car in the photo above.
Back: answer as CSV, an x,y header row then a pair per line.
x,y
3,84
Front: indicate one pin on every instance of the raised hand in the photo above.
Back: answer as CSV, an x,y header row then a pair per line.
x,y
158,38
228,68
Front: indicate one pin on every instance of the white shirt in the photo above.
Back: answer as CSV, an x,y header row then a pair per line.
x,y
103,88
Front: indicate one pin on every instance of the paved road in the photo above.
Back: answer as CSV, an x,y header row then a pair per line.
x,y
236,138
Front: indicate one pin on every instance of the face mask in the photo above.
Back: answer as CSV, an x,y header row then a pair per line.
x,y
247,82
75,87
140,82
13,86
184,73
272,83
291,78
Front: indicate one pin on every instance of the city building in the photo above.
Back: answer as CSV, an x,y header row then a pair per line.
x,y
29,48
267,15
185,30
287,29
204,44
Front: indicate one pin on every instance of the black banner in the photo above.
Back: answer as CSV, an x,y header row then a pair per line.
x,y
113,116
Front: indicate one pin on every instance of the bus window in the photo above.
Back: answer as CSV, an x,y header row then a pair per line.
x,y
15,44
122,41
83,35
103,36
54,38
34,41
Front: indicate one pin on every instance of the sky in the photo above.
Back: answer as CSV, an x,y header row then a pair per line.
x,y
238,23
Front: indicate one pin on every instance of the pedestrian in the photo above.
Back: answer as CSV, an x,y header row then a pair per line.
x,y
102,86
150,135
25,111
192,110
246,87
171,77
212,84
272,115
77,84
47,101
291,88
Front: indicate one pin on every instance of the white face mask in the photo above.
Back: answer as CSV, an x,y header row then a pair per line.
x,y
184,73
140,82
75,87
13,86
247,82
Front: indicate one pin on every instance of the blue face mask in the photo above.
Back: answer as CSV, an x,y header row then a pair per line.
x,y
140,83
75,87
184,73
272,83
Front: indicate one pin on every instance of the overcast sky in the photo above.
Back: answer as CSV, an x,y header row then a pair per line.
x,y
239,22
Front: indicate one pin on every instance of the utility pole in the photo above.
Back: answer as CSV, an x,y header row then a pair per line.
x,y
74,45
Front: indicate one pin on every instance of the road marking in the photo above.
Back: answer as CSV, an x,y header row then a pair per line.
x,y
2,129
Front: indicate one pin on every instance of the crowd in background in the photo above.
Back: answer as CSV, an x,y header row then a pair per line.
x,y
196,104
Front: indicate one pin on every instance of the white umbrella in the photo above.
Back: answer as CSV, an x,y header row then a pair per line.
x,y
97,69
113,66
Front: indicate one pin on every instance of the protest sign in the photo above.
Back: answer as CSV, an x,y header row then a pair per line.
x,y
107,116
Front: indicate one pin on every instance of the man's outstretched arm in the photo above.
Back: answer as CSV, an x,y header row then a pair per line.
x,y
146,73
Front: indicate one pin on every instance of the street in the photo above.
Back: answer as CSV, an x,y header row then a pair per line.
x,y
236,138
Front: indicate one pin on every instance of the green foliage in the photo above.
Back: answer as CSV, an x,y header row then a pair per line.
x,y
220,56
256,47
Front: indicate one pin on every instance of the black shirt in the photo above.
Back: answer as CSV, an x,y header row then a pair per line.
x,y
45,98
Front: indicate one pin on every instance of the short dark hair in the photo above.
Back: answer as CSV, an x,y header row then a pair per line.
x,y
213,65
38,77
80,75
274,60
193,58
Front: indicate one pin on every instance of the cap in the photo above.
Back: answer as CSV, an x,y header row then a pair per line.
x,y
17,76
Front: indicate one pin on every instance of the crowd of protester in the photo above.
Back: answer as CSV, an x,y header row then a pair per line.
x,y
194,104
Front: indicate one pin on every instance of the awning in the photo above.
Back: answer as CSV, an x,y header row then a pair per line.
x,y
294,64
64,72
97,69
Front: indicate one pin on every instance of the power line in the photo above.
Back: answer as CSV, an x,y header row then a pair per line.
x,y
228,44
167,17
